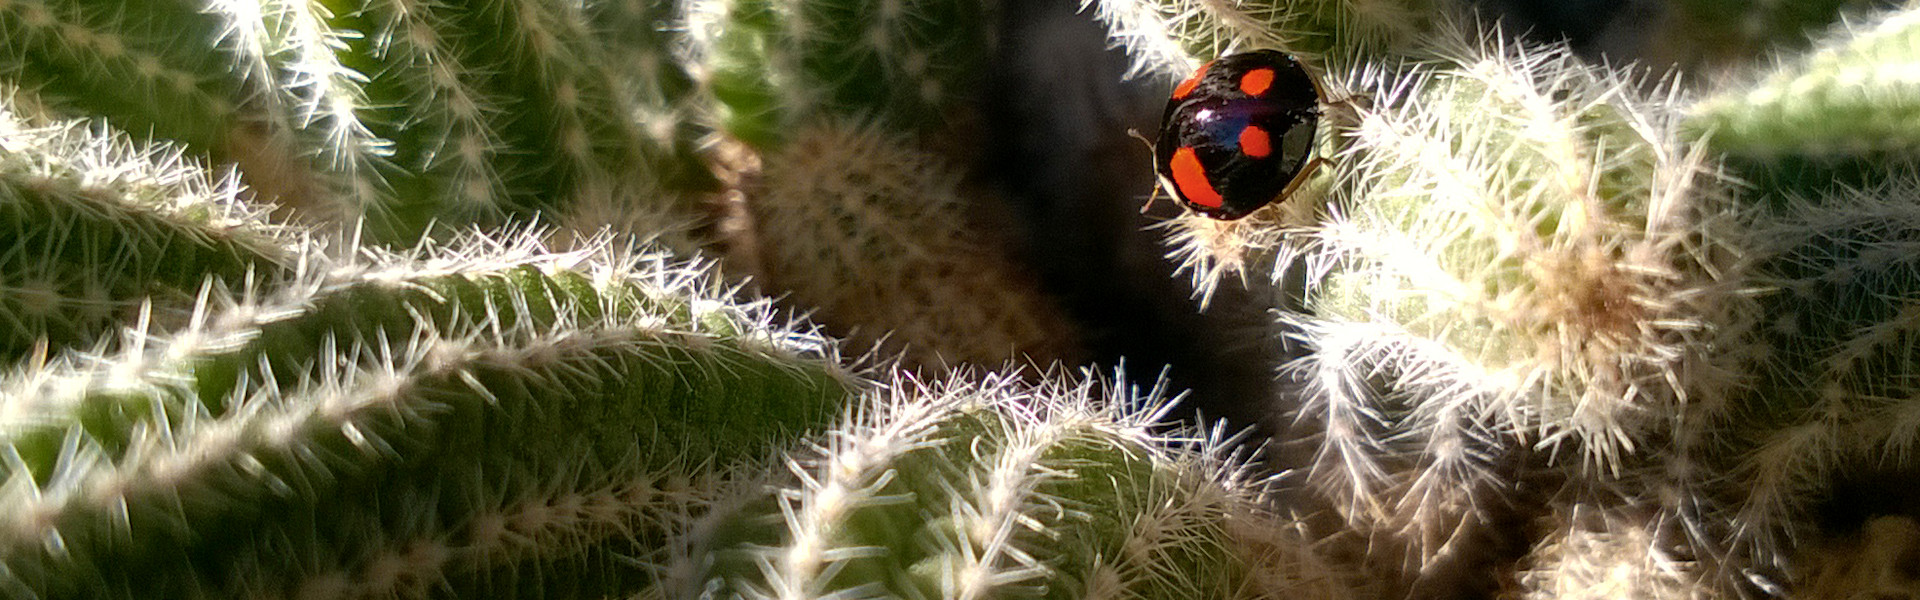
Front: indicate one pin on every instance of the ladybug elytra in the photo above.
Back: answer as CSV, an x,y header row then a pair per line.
x,y
1238,133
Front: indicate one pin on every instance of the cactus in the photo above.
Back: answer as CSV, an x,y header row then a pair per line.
x,y
300,439
1529,270
857,202
1846,97
1569,303
100,228
1517,253
872,230
672,115
775,66
969,489
1830,405
1548,327
406,112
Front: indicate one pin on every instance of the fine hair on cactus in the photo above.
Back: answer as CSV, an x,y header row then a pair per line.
x,y
873,229
1519,251
1830,408
99,228
484,415
418,116
981,487
423,298
1171,37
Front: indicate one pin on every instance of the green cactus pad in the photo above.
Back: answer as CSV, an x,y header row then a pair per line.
x,y
908,63
144,66
287,438
1853,95
1519,252
98,226
990,489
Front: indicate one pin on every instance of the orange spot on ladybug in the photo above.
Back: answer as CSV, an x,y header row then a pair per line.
x,y
1186,87
1254,142
1191,179
1256,82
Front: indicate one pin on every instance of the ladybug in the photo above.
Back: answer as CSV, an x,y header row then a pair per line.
x,y
1238,134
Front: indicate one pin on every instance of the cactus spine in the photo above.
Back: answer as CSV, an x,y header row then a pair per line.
x,y
98,226
1667,333
854,210
1595,319
1845,97
991,489
873,230
405,112
294,442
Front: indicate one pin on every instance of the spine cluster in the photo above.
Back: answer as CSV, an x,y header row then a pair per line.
x,y
408,113
101,230
1546,290
992,489
874,231
469,417
275,321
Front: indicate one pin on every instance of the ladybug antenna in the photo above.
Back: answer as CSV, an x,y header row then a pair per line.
x,y
1135,134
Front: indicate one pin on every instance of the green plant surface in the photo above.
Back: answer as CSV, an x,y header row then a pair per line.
x,y
1170,38
293,442
1852,94
101,230
405,113
775,65
1542,326
988,488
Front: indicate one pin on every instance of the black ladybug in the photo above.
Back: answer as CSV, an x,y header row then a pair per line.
x,y
1238,133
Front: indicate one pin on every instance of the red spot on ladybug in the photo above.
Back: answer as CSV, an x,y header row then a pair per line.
x,y
1239,133
1186,87
1191,179
1256,82
1254,142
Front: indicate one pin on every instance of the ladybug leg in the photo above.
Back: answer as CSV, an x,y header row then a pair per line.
x,y
1306,173
1163,187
